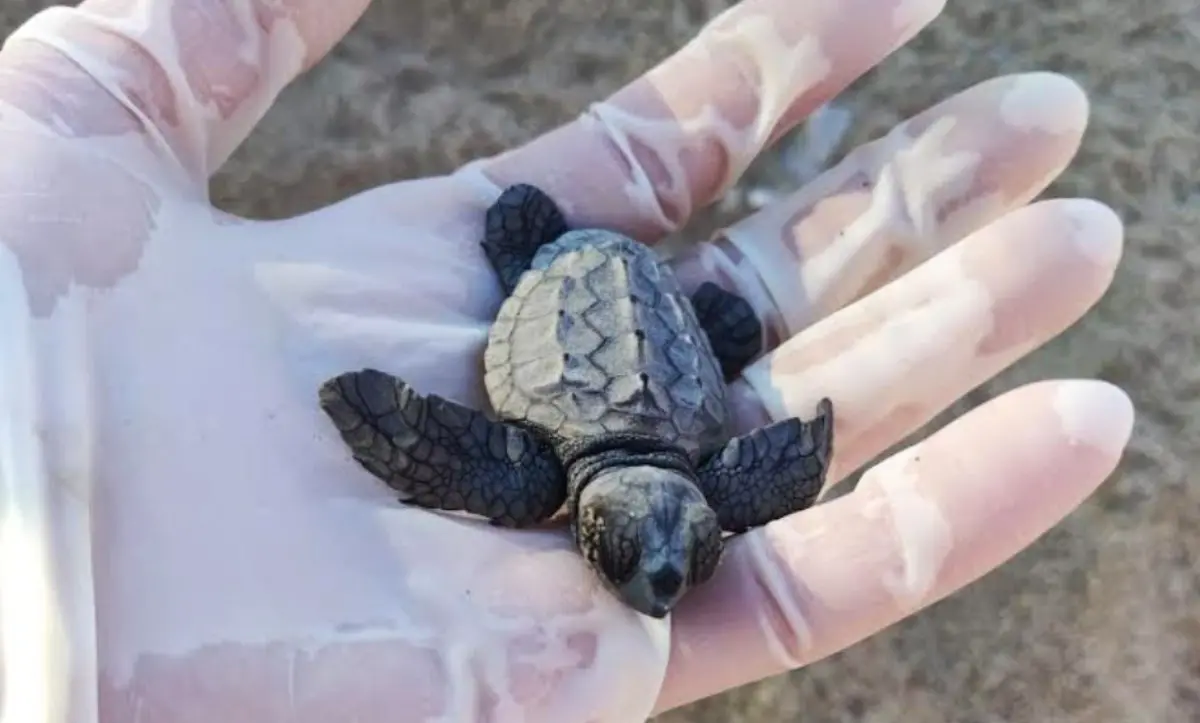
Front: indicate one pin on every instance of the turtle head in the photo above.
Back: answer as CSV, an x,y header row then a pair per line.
x,y
650,534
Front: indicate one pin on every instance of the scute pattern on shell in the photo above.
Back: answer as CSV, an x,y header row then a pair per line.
x,y
598,337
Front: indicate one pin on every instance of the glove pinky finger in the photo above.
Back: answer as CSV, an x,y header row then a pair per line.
x,y
921,525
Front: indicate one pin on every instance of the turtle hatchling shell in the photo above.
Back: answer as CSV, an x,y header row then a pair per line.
x,y
598,337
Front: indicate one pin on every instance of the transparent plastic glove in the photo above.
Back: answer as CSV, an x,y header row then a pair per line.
x,y
184,537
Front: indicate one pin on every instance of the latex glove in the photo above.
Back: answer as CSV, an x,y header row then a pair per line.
x,y
184,535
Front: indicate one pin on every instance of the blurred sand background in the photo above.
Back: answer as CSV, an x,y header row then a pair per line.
x,y
1100,620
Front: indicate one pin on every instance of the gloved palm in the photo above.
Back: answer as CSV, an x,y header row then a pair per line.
x,y
243,568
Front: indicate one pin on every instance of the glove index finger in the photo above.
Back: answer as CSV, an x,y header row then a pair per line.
x,y
675,139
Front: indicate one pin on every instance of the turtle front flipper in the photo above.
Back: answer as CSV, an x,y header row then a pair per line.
x,y
519,223
769,473
733,328
442,455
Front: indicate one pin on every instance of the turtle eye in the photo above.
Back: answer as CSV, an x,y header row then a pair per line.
x,y
620,550
706,553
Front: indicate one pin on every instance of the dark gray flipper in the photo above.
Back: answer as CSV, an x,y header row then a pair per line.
x,y
443,455
769,473
519,223
732,327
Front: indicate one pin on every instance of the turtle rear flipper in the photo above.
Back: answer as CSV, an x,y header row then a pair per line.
x,y
769,473
520,222
442,455
732,327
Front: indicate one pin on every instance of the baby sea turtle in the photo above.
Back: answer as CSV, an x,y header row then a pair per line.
x,y
609,390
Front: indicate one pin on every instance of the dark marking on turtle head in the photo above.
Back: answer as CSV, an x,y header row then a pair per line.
x,y
650,534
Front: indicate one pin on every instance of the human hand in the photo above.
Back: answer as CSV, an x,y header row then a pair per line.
x,y
212,554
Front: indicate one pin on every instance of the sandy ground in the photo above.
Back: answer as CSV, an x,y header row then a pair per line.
x,y
1098,621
